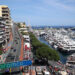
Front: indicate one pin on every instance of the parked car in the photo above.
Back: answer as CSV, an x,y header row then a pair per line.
x,y
12,57
14,50
26,69
9,55
46,73
38,71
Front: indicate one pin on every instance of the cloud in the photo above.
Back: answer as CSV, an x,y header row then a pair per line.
x,y
59,4
71,1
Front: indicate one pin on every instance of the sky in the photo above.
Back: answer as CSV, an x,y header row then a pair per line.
x,y
42,12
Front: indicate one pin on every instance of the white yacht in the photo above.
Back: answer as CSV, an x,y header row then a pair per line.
x,y
66,44
60,39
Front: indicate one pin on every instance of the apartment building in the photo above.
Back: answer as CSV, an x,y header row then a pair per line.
x,y
21,24
2,31
5,13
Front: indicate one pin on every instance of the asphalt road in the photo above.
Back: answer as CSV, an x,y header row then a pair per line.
x,y
17,46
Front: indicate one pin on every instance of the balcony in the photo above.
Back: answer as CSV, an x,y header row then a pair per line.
x,y
2,22
7,26
1,37
1,40
7,20
7,30
2,33
6,17
2,29
2,26
5,11
7,36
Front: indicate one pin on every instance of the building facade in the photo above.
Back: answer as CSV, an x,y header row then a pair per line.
x,y
2,32
5,13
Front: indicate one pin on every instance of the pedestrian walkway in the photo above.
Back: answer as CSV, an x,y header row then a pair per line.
x,y
21,55
33,72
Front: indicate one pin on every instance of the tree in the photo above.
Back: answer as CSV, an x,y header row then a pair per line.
x,y
43,51
46,53
24,33
19,25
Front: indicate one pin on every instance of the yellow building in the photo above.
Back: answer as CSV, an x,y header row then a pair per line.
x,y
22,24
5,13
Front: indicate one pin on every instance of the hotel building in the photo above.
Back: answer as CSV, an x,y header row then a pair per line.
x,y
5,13
2,31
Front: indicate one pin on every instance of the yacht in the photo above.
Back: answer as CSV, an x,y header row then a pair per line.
x,y
60,40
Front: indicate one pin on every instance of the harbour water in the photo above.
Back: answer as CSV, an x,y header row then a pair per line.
x,y
63,57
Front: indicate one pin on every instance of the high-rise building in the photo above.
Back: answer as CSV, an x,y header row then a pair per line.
x,y
5,13
2,31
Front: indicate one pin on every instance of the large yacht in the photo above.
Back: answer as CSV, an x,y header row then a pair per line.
x,y
60,40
